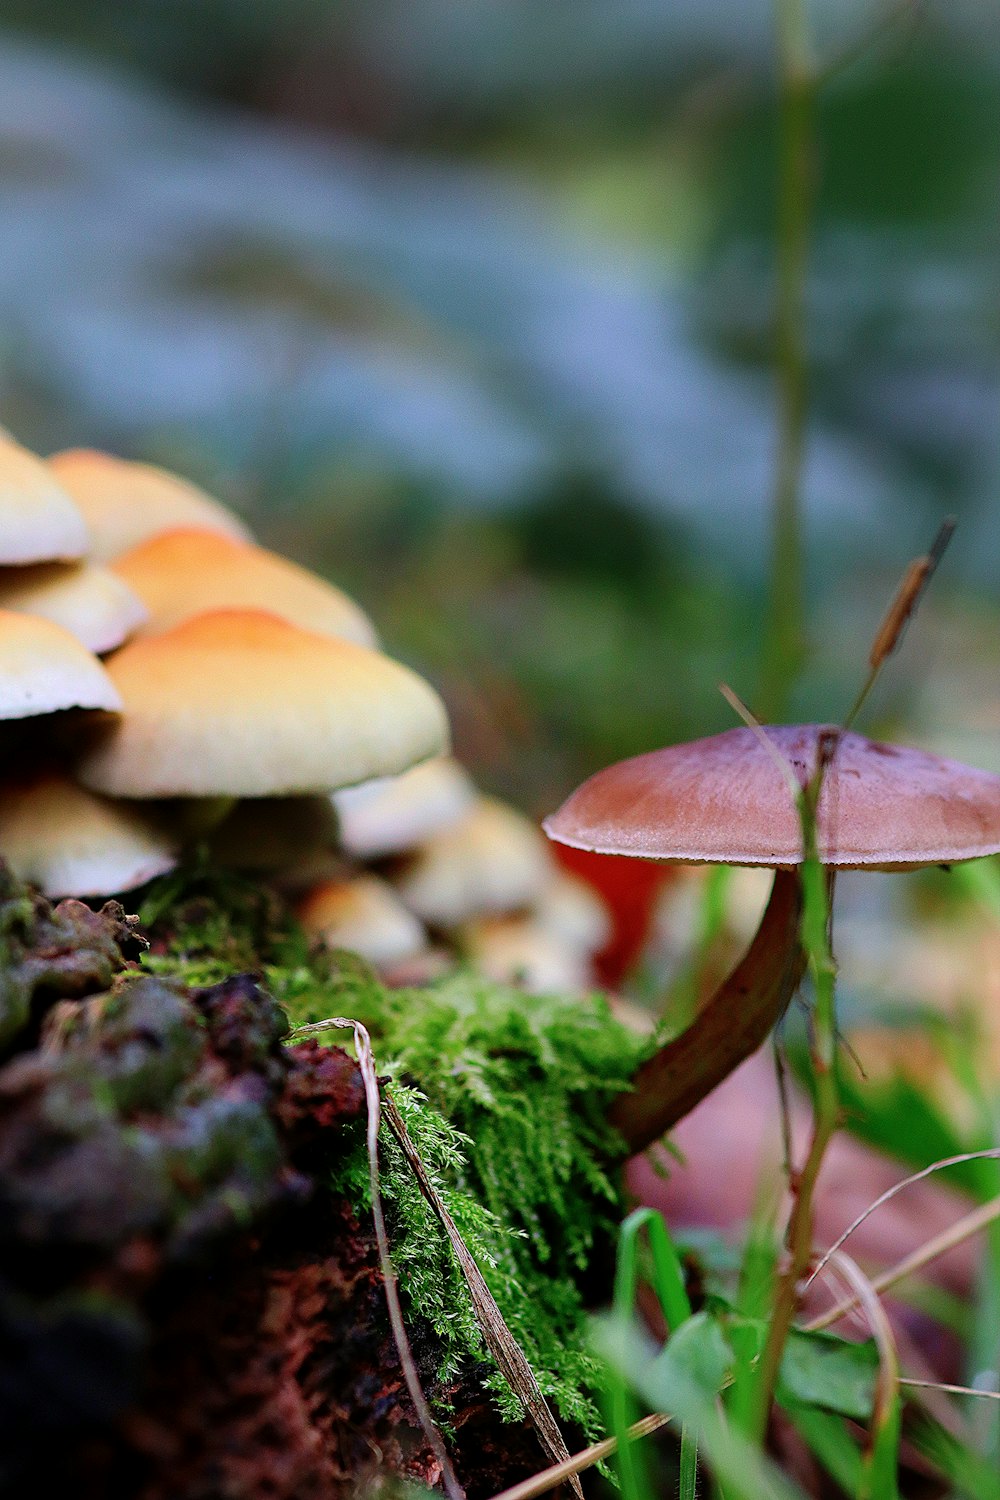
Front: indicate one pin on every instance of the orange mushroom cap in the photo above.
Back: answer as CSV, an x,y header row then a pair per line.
x,y
122,502
239,703
185,572
723,800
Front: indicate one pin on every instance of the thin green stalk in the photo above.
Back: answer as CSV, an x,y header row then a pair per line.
x,y
687,1488
668,1283
826,1109
784,647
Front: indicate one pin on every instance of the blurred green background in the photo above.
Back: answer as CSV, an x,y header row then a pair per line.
x,y
470,305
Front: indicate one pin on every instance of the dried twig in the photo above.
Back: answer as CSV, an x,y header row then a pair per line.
x,y
951,1390
366,1062
548,1479
498,1338
890,1193
915,1261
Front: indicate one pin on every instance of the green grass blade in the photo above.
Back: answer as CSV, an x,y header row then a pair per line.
x,y
687,1488
668,1273
828,1439
668,1283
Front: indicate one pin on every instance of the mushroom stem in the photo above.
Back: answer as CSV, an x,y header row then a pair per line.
x,y
732,1025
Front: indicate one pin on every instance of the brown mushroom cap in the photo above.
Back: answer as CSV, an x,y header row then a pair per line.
x,y
44,669
187,571
723,800
239,703
38,520
124,502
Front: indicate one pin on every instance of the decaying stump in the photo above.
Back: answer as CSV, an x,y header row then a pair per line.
x,y
186,1310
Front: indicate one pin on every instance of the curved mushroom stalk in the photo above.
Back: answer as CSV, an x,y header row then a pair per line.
x,y
732,1025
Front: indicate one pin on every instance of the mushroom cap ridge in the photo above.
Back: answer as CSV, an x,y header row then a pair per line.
x,y
123,502
722,800
39,521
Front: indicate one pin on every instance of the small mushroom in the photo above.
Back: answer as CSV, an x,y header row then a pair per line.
x,y
237,703
630,890
396,813
571,910
185,572
87,600
521,950
38,520
723,800
68,842
44,669
493,861
364,914
122,503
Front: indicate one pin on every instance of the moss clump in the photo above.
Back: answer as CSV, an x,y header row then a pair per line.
x,y
505,1096
206,924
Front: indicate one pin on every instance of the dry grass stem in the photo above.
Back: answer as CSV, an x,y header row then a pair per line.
x,y
950,1390
499,1340
366,1062
971,1224
865,1296
497,1336
548,1479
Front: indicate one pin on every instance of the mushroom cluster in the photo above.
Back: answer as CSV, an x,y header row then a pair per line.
x,y
421,868
243,704
227,673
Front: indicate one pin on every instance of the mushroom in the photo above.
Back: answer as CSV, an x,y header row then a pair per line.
x,y
493,860
237,703
68,842
87,600
38,520
44,669
521,950
724,800
570,909
630,890
185,572
393,814
364,914
122,503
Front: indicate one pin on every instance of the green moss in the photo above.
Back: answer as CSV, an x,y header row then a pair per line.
x,y
207,924
505,1096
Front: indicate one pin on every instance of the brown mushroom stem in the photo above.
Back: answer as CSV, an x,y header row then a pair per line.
x,y
733,1024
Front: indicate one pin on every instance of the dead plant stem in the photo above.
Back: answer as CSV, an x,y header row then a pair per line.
x,y
963,1229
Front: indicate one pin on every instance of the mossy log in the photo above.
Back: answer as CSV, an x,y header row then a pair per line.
x,y
186,1308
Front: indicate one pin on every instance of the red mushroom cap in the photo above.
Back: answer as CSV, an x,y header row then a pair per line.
x,y
722,800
